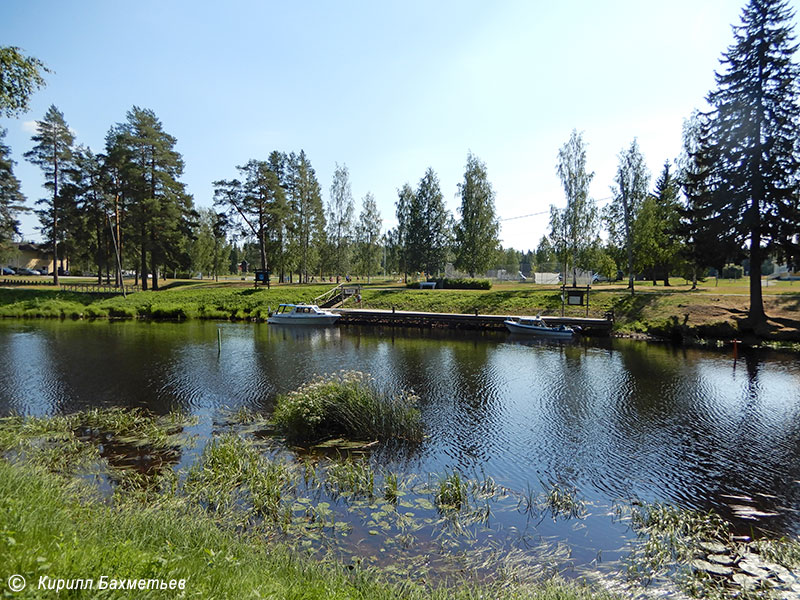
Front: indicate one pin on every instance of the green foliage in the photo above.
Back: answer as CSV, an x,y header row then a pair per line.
x,y
732,272
574,230
457,284
476,233
158,212
368,233
232,471
562,501
20,77
348,405
351,478
632,180
72,533
752,139
12,199
451,493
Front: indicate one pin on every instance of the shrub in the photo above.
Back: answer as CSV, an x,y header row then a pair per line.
x,y
457,284
349,405
168,311
122,312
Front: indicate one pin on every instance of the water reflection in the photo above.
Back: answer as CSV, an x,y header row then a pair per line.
x,y
617,419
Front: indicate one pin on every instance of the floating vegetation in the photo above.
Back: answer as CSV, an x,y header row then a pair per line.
x,y
699,552
436,528
391,489
349,405
233,474
69,443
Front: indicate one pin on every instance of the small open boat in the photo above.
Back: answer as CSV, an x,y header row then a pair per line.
x,y
536,326
302,314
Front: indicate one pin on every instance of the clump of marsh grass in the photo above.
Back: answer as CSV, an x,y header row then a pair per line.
x,y
232,472
562,501
351,478
134,425
451,493
391,487
65,443
669,537
350,405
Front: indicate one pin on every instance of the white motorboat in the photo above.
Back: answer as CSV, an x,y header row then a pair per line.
x,y
536,326
302,314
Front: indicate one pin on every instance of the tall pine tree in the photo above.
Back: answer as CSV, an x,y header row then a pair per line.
x,y
53,154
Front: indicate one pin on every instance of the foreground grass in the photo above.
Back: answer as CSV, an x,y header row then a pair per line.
x,y
715,310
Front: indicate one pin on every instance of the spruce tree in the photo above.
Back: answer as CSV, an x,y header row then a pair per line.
x,y
753,136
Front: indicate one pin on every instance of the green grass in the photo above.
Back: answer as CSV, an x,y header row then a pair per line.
x,y
349,405
713,311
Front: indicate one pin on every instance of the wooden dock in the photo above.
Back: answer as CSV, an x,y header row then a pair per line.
x,y
402,318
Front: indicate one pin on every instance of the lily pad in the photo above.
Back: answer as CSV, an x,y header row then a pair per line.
x,y
704,565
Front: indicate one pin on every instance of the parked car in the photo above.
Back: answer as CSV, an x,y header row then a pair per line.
x,y
25,271
9,271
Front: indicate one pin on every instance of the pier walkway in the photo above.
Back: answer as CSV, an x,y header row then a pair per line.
x,y
401,318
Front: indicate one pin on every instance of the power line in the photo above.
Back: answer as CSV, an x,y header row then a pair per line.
x,y
546,212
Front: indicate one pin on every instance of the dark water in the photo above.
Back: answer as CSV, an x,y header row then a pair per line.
x,y
616,420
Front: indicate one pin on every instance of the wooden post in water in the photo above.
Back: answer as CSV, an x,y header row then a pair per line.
x,y
219,340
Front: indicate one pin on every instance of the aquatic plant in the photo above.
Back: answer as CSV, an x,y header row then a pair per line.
x,y
451,493
562,501
348,404
391,489
232,472
351,477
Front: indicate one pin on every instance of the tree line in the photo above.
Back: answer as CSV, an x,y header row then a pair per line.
x,y
733,194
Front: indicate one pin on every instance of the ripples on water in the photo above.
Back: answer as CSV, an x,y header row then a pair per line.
x,y
615,419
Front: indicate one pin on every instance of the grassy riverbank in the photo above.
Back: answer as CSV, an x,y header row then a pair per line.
x,y
71,533
717,310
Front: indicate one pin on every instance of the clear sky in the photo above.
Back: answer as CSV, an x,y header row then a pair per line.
x,y
387,88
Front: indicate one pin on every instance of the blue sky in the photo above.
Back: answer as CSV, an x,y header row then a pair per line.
x,y
387,88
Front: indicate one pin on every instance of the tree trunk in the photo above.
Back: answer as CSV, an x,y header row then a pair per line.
x,y
144,260
758,318
154,268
